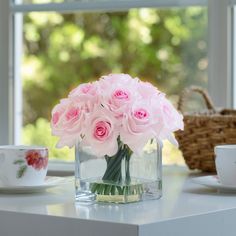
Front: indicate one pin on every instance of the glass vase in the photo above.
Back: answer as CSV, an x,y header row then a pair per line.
x,y
123,178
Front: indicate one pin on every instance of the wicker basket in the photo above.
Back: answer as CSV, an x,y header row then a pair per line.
x,y
204,130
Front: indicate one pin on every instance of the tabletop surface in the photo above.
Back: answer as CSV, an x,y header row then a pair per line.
x,y
181,198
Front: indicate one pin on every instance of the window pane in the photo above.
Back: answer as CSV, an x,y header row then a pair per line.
x,y
166,47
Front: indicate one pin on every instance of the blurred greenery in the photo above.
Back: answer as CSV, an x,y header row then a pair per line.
x,y
164,46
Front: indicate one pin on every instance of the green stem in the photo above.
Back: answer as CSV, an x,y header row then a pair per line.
x,y
113,163
113,173
127,170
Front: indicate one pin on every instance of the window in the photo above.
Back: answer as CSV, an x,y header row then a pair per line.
x,y
78,41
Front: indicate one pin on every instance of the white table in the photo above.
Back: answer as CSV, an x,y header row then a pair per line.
x,y
186,209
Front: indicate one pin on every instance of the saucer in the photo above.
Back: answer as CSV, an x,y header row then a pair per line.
x,y
212,181
50,182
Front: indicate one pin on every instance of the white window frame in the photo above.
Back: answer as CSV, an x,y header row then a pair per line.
x,y
6,76
104,5
220,72
220,48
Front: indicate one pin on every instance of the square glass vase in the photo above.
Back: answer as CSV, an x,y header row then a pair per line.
x,y
123,178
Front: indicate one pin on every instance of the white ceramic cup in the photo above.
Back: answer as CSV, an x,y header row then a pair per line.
x,y
23,165
226,164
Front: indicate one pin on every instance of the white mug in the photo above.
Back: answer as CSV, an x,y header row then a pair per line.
x,y
226,164
23,165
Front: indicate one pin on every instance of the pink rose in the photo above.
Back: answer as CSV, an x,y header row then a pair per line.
x,y
118,91
67,120
86,90
86,93
57,116
96,114
147,90
102,132
67,140
137,126
172,120
107,80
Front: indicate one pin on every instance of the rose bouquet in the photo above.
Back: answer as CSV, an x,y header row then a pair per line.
x,y
115,116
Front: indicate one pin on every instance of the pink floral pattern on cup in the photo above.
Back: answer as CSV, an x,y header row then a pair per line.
x,y
36,160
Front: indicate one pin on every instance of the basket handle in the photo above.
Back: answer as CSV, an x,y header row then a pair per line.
x,y
195,89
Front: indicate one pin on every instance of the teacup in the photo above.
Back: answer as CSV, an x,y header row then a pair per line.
x,y
226,164
23,165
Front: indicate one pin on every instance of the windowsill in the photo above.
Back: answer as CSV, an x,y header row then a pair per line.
x,y
61,168
185,209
